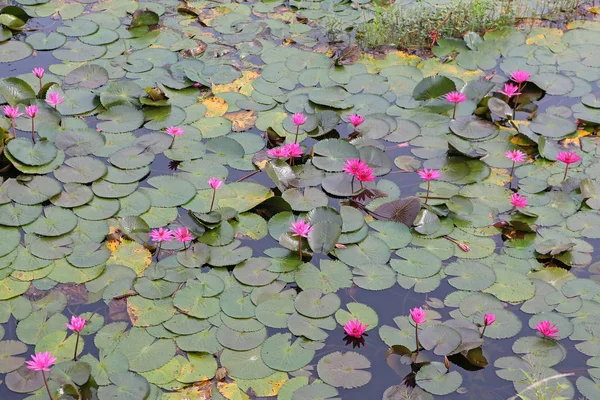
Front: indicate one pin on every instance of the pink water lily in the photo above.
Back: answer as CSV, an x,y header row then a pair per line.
x,y
160,235
547,329
515,155
298,119
302,229
215,183
365,175
353,166
518,200
464,247
31,112
428,175
183,235
42,362
456,98
175,131
38,72
568,158
355,328
356,120
510,90
278,152
520,76
419,316
54,99
293,149
488,319
12,113
77,324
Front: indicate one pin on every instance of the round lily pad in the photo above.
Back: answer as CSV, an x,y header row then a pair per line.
x,y
360,311
312,303
26,152
281,354
470,275
435,379
344,369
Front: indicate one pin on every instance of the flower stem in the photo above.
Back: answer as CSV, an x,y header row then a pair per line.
x,y
300,248
46,383
158,251
564,177
483,331
454,111
417,336
32,130
40,92
76,344
512,170
427,196
212,203
14,128
297,131
172,142
352,184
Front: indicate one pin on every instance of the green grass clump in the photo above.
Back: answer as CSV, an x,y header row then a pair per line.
x,y
412,26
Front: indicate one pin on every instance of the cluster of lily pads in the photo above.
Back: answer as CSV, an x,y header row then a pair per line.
x,y
246,89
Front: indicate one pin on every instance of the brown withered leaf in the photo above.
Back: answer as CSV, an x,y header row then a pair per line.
x,y
241,120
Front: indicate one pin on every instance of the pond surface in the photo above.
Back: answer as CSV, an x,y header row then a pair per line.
x,y
237,315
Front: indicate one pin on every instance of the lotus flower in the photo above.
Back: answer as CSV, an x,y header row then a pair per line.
x,y
356,120
520,76
489,319
298,119
77,324
353,166
161,235
175,131
54,99
42,362
301,228
510,90
355,328
464,247
31,111
518,200
215,183
183,235
12,113
428,175
568,158
278,152
547,329
365,175
38,72
418,315
515,155
455,97
293,150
